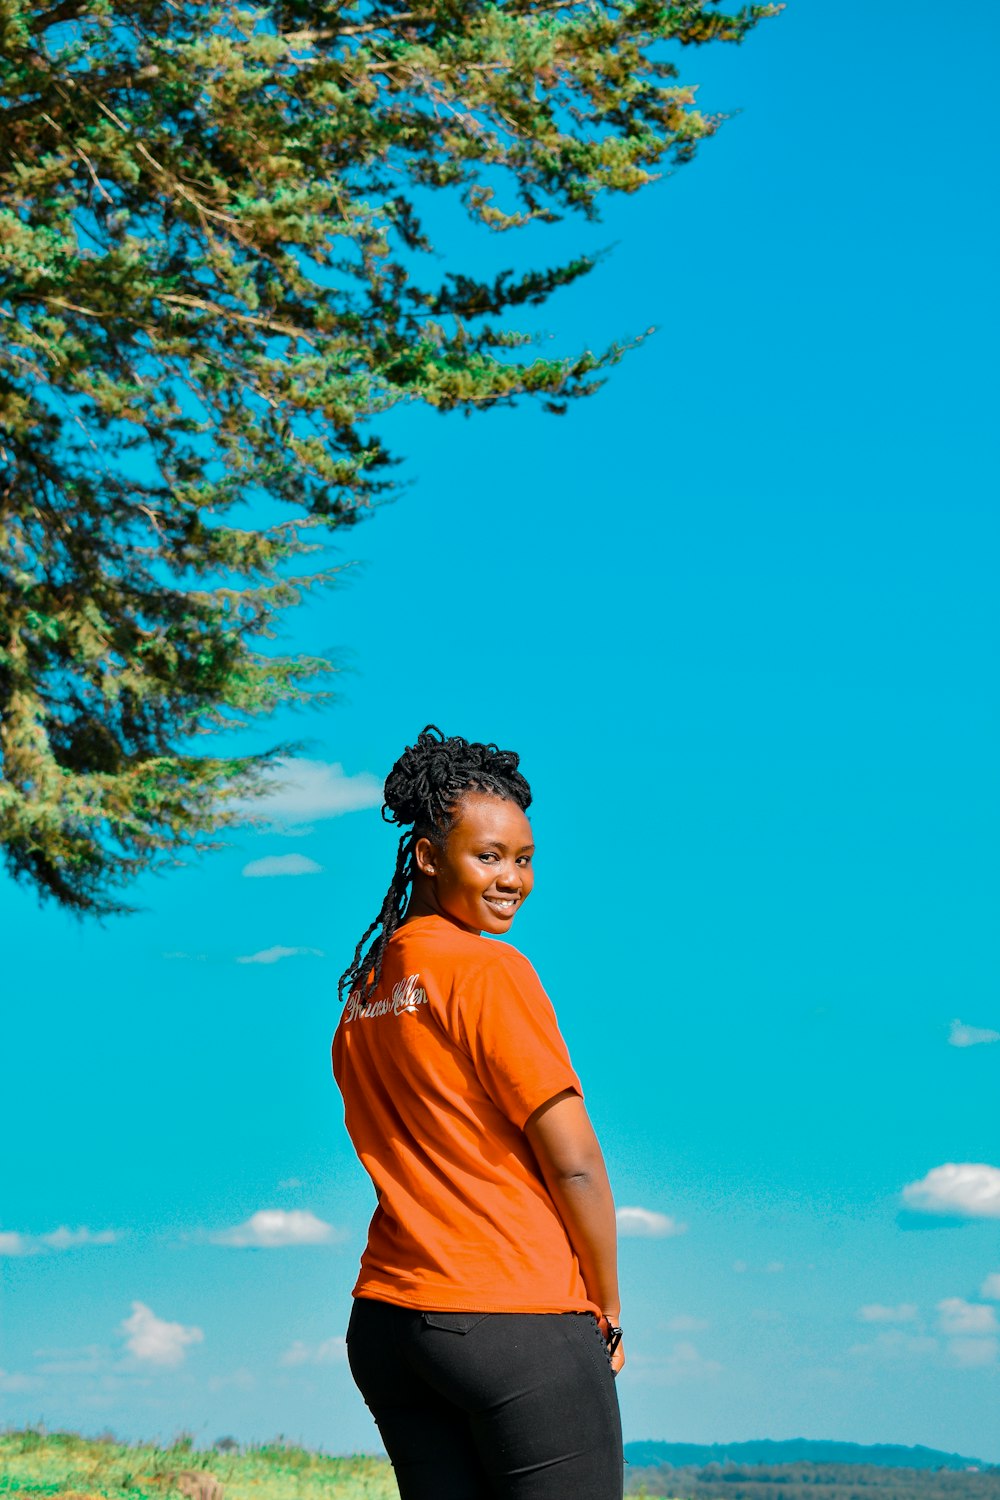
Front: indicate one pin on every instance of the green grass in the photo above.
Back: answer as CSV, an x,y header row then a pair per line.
x,y
61,1464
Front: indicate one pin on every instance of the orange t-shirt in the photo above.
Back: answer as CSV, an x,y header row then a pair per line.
x,y
456,1048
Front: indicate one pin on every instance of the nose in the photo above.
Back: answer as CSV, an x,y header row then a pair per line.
x,y
509,878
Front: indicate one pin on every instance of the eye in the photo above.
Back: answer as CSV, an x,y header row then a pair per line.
x,y
488,857
524,859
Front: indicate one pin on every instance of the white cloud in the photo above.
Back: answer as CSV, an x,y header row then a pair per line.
x,y
773,1267
971,1036
290,1182
304,789
972,1354
991,1287
14,1243
687,1360
12,1382
681,1365
330,1352
645,1223
274,955
155,1341
685,1323
956,1316
876,1312
282,864
273,1228
87,1359
895,1345
64,1238
966,1189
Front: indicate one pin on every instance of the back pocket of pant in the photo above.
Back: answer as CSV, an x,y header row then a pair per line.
x,y
453,1322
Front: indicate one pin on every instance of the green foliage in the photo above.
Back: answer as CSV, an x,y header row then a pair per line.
x,y
63,1465
213,279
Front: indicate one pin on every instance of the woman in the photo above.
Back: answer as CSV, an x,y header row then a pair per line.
x,y
484,1335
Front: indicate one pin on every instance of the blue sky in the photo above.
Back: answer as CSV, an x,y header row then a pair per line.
x,y
738,614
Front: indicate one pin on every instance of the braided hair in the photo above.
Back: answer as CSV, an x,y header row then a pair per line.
x,y
422,792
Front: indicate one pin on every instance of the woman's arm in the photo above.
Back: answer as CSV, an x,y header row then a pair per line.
x,y
567,1150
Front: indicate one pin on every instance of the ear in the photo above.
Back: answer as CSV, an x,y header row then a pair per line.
x,y
425,853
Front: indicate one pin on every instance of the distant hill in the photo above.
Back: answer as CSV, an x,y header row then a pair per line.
x,y
793,1451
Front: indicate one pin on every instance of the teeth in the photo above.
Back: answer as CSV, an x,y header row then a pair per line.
x,y
496,901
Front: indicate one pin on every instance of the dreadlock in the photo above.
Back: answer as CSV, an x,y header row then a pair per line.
x,y
422,792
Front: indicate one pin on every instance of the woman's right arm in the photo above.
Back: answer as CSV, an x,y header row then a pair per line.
x,y
568,1153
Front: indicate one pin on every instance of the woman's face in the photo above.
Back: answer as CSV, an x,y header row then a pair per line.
x,y
482,872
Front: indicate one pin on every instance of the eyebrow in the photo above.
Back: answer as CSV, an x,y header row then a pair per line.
x,y
499,844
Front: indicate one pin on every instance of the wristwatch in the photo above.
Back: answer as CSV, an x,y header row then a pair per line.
x,y
614,1336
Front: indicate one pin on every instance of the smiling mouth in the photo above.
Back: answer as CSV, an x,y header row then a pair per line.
x,y
502,904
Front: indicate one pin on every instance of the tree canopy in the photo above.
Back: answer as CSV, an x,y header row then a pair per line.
x,y
214,278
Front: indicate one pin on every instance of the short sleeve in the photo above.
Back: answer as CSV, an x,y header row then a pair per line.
x,y
512,1036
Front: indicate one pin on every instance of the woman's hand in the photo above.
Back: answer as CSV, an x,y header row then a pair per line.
x,y
605,1324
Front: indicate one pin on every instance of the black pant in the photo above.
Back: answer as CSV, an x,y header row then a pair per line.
x,y
490,1406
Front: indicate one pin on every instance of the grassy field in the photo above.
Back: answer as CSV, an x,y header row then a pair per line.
x,y
63,1465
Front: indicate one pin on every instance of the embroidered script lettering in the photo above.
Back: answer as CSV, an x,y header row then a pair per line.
x,y
406,996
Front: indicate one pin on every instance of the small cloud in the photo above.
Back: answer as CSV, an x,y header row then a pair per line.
x,y
89,1359
683,1364
305,789
894,1346
645,1223
739,1266
155,1341
972,1354
274,955
330,1352
773,1267
12,1243
684,1323
64,1238
991,1287
179,953
274,1228
290,1182
956,1316
963,1189
12,1382
970,1036
687,1359
877,1312
298,1353
281,864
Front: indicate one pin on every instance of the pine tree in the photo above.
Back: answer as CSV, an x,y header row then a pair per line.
x,y
213,279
